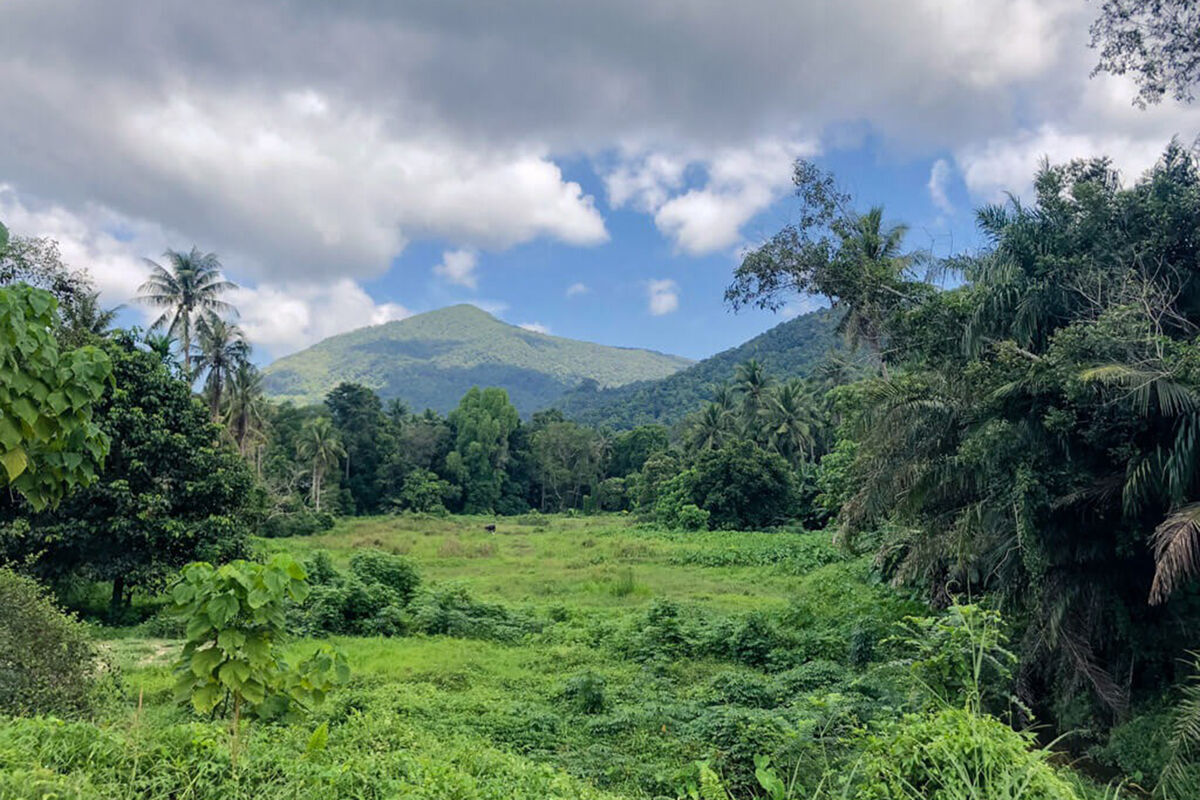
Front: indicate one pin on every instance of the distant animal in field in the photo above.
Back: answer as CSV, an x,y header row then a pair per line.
x,y
490,528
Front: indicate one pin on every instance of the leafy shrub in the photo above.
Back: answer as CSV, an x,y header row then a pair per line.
x,y
958,753
451,611
424,491
300,522
47,661
819,674
744,689
586,693
692,518
394,572
661,634
235,621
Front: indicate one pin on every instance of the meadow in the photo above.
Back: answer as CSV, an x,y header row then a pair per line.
x,y
626,655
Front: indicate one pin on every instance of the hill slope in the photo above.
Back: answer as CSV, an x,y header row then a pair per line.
x,y
431,359
790,349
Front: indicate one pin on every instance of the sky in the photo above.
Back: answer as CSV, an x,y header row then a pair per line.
x,y
592,170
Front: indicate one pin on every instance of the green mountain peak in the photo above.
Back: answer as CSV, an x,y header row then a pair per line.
x,y
430,360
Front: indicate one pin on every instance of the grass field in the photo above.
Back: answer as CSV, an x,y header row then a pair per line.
x,y
637,653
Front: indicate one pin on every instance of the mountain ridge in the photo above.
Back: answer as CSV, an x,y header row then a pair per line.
x,y
430,360
791,349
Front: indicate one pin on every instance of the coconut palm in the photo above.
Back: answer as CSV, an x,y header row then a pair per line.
x,y
189,288
791,421
245,408
709,429
223,350
319,446
84,319
753,384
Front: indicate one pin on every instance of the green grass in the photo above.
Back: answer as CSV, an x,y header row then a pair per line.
x,y
768,619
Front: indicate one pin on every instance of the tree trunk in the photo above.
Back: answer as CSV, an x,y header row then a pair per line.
x,y
118,594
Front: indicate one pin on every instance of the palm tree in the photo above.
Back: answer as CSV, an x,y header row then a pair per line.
x,y
163,346
223,350
83,319
320,446
792,421
753,383
245,411
709,429
189,288
874,264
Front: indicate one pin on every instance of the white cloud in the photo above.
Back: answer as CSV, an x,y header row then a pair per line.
x,y
458,267
939,177
536,327
739,183
576,289
278,318
663,296
1007,164
285,318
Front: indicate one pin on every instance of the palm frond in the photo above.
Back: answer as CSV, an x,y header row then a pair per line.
x,y
1176,545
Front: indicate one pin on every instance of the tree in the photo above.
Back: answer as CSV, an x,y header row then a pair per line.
x,y
1040,442
752,384
37,262
50,441
483,423
223,351
792,422
321,448
709,429
368,436
169,494
631,449
852,259
744,487
567,460
1158,41
190,289
246,411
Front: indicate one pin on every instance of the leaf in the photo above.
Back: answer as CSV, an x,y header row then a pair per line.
x,y
206,698
205,661
318,740
1176,544
222,608
14,462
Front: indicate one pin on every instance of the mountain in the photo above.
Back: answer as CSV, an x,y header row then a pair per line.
x,y
430,360
791,349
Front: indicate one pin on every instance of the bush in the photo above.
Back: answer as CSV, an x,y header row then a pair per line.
x,y
301,522
744,487
47,662
692,518
395,572
585,692
451,611
957,753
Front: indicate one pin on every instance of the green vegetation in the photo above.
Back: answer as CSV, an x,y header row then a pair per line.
x,y
807,346
432,359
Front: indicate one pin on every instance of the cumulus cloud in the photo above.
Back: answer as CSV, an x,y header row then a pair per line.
x,y
738,183
939,177
319,140
663,296
279,318
576,289
288,317
458,267
536,327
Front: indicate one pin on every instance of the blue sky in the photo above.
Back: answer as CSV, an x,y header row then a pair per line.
x,y
358,162
529,283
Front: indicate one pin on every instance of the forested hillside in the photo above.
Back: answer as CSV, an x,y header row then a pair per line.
x,y
792,349
430,360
